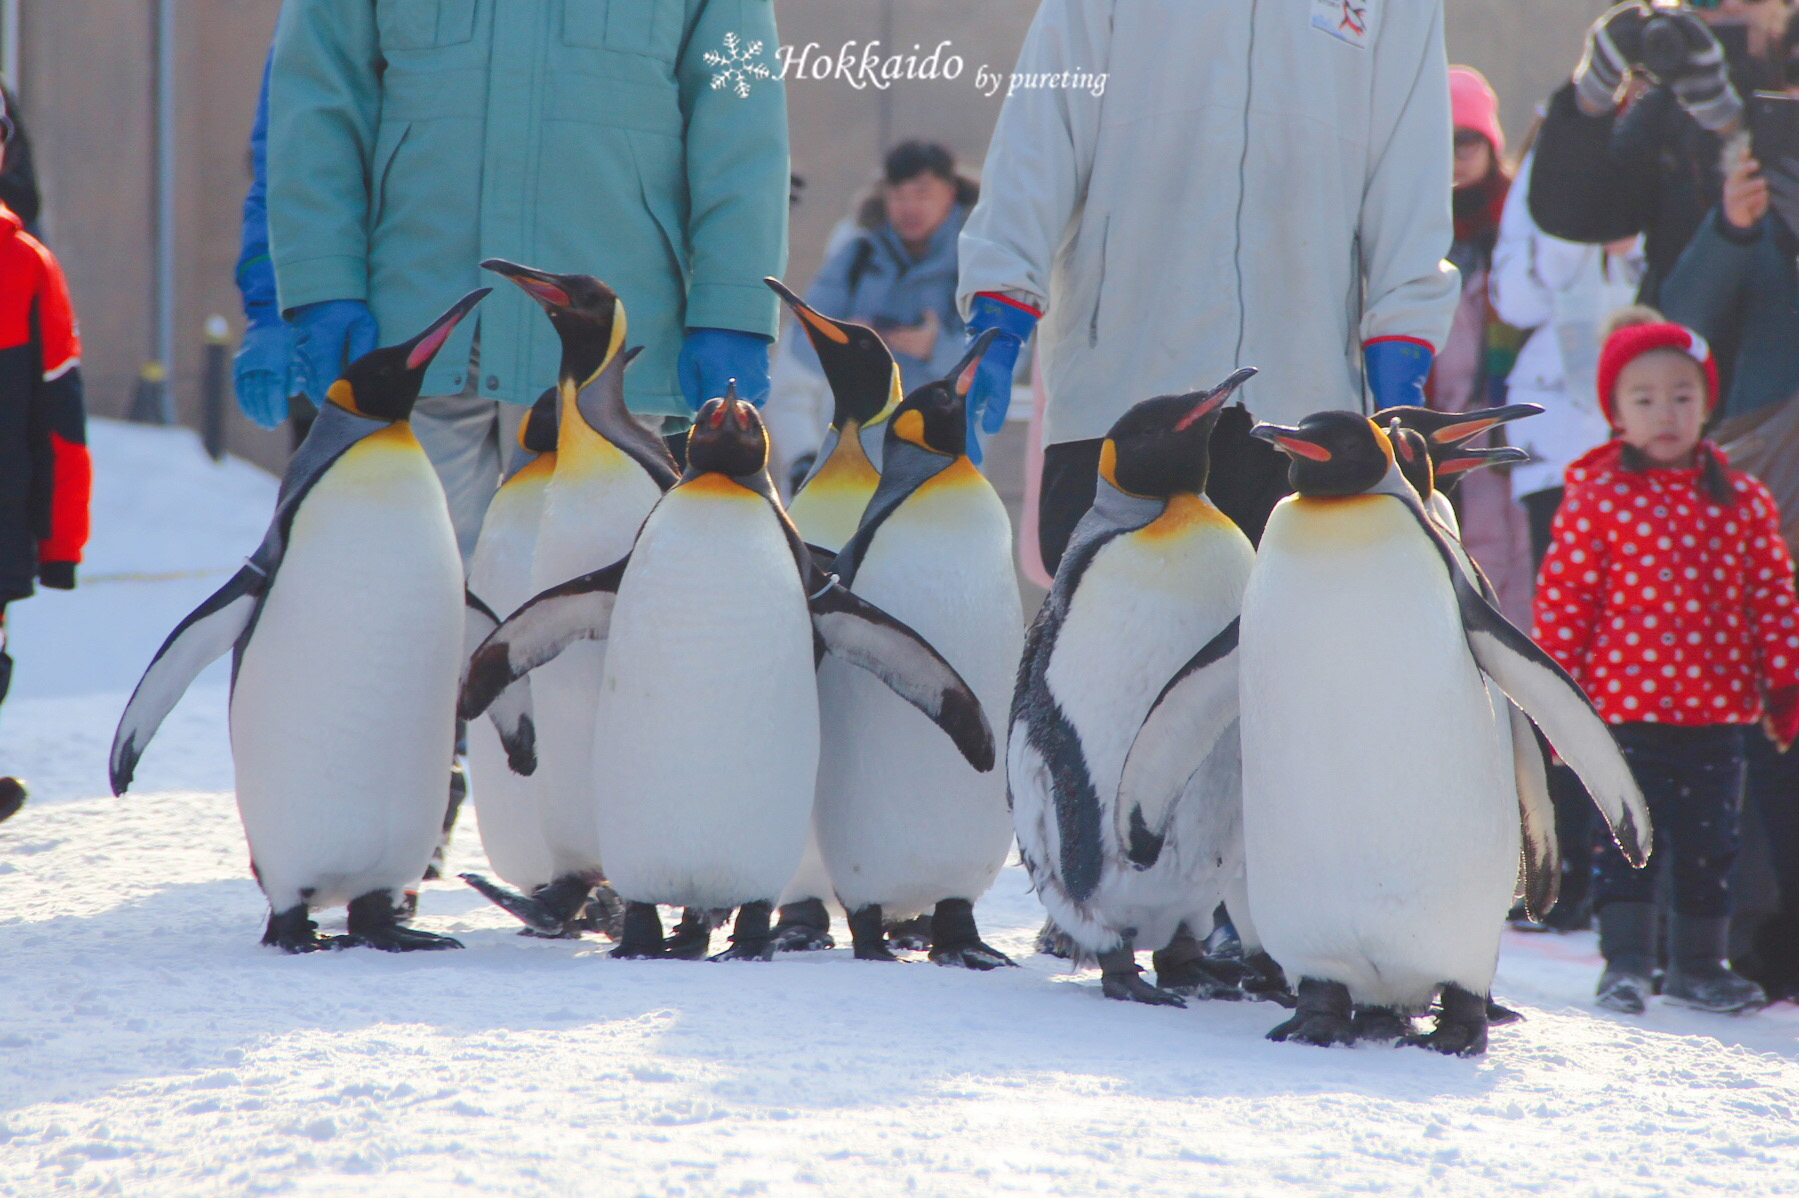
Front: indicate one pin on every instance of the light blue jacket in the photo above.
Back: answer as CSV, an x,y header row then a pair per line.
x,y
410,139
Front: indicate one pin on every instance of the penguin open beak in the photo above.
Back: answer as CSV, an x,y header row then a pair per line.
x,y
1292,441
1479,421
540,285
1213,400
422,348
1459,460
962,374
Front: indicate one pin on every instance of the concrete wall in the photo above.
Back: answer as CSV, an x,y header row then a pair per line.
x,y
86,80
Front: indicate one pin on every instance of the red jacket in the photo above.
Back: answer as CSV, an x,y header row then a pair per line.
x,y
45,476
1665,605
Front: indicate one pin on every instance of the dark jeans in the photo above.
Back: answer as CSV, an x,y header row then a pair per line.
x,y
1539,512
1248,477
1693,781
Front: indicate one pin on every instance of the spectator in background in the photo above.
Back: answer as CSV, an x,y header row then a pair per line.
x,y
1560,291
18,178
45,475
1471,370
897,272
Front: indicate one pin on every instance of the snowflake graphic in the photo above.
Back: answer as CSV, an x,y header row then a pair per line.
x,y
737,65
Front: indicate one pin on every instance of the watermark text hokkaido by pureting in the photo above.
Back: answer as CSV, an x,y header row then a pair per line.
x,y
864,65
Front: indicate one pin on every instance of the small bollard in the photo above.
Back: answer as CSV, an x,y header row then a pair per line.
x,y
212,394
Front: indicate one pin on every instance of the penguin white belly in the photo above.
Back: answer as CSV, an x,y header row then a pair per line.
x,y
506,808
707,739
903,820
1379,859
597,502
1146,604
343,710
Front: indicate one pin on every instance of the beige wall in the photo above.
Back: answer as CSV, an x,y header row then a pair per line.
x,y
86,78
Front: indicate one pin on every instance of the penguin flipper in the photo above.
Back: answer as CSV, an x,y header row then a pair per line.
x,y
511,713
1542,858
579,609
1557,705
199,640
863,635
1195,710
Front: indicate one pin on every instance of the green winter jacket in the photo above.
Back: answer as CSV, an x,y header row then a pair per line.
x,y
410,139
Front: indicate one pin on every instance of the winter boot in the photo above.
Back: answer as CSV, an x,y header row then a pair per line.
x,y
1699,976
1627,941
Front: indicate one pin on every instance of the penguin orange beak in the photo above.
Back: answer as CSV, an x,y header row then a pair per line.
x,y
540,285
814,322
1290,440
425,346
1479,422
1459,460
1214,399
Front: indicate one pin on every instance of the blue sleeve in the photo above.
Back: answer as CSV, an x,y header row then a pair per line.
x,y
255,270
1705,289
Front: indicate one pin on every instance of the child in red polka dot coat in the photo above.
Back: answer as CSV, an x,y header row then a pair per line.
x,y
1667,593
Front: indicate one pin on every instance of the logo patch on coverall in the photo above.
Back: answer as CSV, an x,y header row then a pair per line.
x,y
1349,21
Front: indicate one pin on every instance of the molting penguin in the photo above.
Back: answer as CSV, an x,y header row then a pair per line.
x,y
1380,872
1148,591
708,721
499,580
609,472
865,388
346,630
904,823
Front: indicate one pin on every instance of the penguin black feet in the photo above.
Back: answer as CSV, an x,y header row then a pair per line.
x,y
1119,979
553,911
1265,981
640,939
1384,1025
751,939
1183,968
956,941
458,792
1499,1015
1053,941
374,923
605,912
803,927
292,931
868,938
1323,1015
910,935
1461,1025
692,938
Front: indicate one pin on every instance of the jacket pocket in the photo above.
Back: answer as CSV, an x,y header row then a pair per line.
x,y
387,148
1099,282
424,24
647,27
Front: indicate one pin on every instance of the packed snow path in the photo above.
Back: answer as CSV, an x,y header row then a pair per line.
x,y
148,1045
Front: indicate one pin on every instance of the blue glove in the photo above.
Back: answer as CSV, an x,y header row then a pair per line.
x,y
1396,368
328,336
991,393
711,358
264,373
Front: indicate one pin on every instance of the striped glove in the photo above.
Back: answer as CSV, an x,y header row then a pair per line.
x,y
1703,83
1614,45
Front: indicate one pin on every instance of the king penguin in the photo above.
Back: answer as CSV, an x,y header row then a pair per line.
x,y
609,472
346,629
1150,587
1380,869
865,388
499,580
904,823
708,723
1445,437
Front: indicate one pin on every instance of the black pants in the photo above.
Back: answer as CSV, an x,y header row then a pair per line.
x,y
1539,512
1248,478
1693,781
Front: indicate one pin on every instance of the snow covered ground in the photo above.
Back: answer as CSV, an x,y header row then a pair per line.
x,y
148,1045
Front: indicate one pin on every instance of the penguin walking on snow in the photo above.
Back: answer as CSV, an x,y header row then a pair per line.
x,y
1149,589
865,388
346,630
906,824
708,723
1380,868
609,472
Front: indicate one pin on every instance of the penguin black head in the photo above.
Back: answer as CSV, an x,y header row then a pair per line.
x,y
934,417
537,432
727,438
860,368
1334,453
1413,456
383,384
1161,446
586,314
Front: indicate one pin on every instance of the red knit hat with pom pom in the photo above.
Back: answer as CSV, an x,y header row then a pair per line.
x,y
1633,341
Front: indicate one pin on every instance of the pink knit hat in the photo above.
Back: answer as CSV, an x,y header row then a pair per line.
x,y
1472,105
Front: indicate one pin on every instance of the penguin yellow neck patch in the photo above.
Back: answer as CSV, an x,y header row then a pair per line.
x,y
717,486
1184,514
909,426
343,395
1108,468
398,435
848,466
